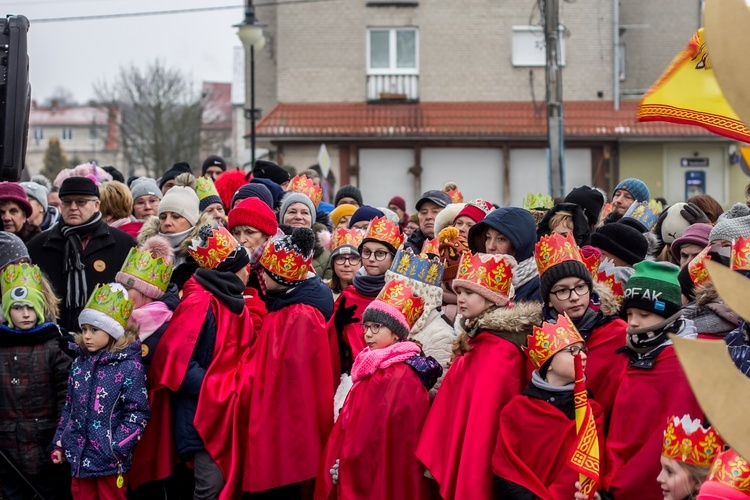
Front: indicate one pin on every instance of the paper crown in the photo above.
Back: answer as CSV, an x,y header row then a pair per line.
x,y
656,207
697,268
204,187
401,297
493,272
456,196
344,236
643,213
142,265
21,275
592,262
730,469
687,441
550,339
219,244
111,302
538,200
740,257
606,210
609,280
305,185
383,230
431,247
283,260
418,267
554,249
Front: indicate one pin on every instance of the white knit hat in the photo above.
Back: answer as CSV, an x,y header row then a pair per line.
x,y
181,200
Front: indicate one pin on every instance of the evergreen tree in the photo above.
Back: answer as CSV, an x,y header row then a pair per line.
x,y
54,158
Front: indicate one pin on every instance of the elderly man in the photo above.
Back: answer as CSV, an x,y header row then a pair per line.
x,y
429,205
15,211
79,251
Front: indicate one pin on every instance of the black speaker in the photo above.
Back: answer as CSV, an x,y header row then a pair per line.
x,y
15,96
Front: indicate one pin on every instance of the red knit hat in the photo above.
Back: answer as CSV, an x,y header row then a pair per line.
x,y
475,210
255,213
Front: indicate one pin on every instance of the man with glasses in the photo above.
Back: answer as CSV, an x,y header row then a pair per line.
x,y
79,251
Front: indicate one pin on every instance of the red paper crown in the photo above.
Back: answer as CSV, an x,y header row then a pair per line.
x,y
697,268
385,231
610,282
548,340
456,196
732,470
740,259
305,185
219,246
554,249
344,236
283,261
401,297
592,262
488,271
687,441
431,247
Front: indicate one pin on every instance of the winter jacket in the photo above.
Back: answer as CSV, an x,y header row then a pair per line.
x,y
321,256
415,241
106,411
33,384
28,232
172,299
102,257
738,344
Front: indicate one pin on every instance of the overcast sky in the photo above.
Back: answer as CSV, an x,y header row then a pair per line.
x,y
75,54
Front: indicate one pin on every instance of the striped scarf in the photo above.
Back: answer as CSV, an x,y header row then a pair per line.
x,y
77,293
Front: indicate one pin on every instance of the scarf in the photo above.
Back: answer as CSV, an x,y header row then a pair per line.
x,y
73,267
524,272
540,383
649,338
714,318
585,324
370,360
175,241
120,222
150,317
367,285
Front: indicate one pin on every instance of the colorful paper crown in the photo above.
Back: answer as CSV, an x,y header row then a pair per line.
x,y
656,207
111,302
608,279
417,267
643,213
211,249
431,247
401,297
285,261
730,469
305,185
492,272
538,200
606,210
344,236
384,231
21,275
740,258
550,339
456,196
697,268
554,249
204,187
687,441
142,265
592,261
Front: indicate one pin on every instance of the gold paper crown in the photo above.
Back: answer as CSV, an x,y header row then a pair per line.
x,y
456,196
112,302
538,200
21,275
219,245
730,469
554,249
488,271
400,296
431,247
343,236
740,259
142,265
697,268
204,187
686,441
550,339
384,231
418,267
305,185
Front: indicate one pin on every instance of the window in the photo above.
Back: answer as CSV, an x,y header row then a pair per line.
x,y
392,51
38,134
529,47
67,134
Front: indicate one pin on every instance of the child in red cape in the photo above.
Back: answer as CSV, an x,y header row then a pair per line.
x,y
488,369
543,417
370,454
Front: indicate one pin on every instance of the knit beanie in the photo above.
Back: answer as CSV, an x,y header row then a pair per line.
x,y
148,268
116,174
732,224
292,197
348,191
475,210
37,192
622,241
364,213
269,170
213,161
12,249
654,287
447,215
276,192
696,234
673,223
177,169
255,213
398,202
22,284
567,269
387,315
108,309
207,193
340,212
636,187
253,191
288,259
589,199
145,186
183,201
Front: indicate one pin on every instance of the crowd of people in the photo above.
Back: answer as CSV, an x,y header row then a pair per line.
x,y
230,334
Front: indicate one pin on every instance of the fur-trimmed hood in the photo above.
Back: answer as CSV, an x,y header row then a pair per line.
x,y
151,228
706,294
608,303
513,323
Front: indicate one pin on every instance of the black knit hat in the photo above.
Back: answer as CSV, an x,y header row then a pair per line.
x,y
621,241
560,271
348,191
213,161
589,199
269,170
78,186
177,169
382,317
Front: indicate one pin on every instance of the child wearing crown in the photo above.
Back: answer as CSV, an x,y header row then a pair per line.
x,y
106,408
728,478
544,416
33,384
487,371
370,453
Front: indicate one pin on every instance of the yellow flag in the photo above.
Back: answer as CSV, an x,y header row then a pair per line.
x,y
688,93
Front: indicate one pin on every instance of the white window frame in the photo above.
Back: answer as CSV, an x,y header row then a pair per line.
x,y
70,134
538,32
38,134
393,70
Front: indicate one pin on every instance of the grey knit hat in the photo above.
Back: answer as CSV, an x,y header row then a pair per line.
x,y
732,224
294,197
12,249
37,192
145,186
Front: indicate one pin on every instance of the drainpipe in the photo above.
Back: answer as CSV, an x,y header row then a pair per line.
x,y
616,58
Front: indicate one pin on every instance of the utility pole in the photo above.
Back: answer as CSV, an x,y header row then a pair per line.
x,y
554,96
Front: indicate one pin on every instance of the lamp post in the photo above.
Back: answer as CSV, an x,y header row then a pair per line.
x,y
250,33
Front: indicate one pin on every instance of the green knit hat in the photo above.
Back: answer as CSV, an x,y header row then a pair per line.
x,y
22,284
654,287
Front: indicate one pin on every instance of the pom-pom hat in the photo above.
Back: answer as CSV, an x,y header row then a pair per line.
x,y
550,339
149,268
687,441
108,309
396,306
22,284
288,259
488,275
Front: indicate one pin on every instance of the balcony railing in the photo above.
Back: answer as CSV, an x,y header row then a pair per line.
x,y
392,87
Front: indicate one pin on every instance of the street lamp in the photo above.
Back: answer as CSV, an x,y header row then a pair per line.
x,y
250,32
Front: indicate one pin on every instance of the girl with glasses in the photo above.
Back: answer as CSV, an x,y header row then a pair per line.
x,y
345,259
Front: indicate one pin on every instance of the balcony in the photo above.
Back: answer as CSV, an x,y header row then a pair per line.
x,y
402,87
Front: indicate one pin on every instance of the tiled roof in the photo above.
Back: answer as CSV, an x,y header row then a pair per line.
x,y
68,116
481,120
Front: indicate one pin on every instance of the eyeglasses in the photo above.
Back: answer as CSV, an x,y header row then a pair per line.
x,y
380,255
564,294
351,259
80,202
373,327
575,350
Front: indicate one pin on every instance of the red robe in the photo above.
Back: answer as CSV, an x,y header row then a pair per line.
x,y
645,400
604,367
352,333
223,411
291,411
375,439
459,436
530,429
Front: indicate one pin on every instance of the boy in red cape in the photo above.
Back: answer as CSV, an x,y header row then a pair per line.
x,y
200,376
543,417
459,436
370,454
291,412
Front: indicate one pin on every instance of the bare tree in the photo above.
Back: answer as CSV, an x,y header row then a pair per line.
x,y
160,116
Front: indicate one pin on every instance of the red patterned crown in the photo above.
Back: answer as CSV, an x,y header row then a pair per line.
x,y
431,247
591,260
697,268
740,259
283,259
550,339
212,247
401,297
343,236
611,282
384,231
456,196
491,272
687,441
303,184
554,249
730,469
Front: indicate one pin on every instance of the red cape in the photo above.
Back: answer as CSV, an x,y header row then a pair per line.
x,y
291,411
375,439
352,333
459,436
528,427
604,367
644,402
